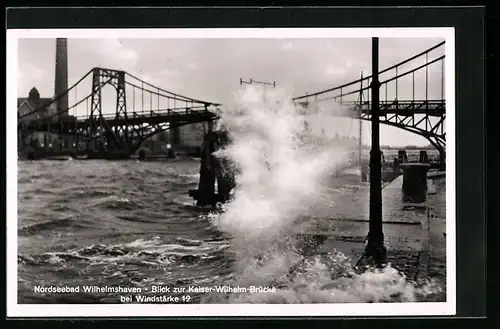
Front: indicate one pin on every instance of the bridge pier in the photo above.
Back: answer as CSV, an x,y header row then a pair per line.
x,y
142,155
175,136
31,154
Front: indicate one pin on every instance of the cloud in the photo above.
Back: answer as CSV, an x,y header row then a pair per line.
x,y
31,76
166,73
151,78
334,70
112,53
210,69
287,46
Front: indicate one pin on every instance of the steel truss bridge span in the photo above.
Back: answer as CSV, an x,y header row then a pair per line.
x,y
140,110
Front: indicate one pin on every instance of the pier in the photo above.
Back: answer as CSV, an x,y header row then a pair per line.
x,y
214,170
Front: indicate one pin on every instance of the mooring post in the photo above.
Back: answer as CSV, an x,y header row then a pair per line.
x,y
423,158
206,187
415,182
403,158
375,247
395,165
364,172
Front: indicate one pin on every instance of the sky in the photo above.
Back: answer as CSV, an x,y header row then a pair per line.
x,y
210,69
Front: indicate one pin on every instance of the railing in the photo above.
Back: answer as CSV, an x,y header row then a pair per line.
x,y
200,110
359,86
159,113
402,106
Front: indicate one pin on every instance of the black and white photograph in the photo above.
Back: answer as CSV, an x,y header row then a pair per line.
x,y
275,171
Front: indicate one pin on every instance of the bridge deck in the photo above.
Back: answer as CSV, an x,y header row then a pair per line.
x,y
403,107
133,119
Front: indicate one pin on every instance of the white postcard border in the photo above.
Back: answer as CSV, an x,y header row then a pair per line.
x,y
172,310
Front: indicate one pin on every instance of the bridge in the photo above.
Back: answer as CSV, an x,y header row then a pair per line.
x,y
140,110
401,104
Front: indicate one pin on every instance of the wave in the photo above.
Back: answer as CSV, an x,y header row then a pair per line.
x,y
282,174
329,278
51,225
116,202
248,242
146,251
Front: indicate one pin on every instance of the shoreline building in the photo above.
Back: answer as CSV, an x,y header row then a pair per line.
x,y
26,105
187,139
46,140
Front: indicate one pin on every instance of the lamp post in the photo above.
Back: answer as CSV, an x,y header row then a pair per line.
x,y
360,146
375,247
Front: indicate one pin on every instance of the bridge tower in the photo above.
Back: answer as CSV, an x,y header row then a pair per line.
x,y
61,73
104,139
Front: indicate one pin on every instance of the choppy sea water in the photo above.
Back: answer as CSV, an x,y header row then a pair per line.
x,y
112,224
130,224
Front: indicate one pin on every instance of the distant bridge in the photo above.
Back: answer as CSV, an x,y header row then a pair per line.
x,y
141,111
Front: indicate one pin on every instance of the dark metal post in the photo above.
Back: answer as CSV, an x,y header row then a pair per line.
x,y
363,169
442,81
360,155
375,247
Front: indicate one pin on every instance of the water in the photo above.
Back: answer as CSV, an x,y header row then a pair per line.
x,y
129,224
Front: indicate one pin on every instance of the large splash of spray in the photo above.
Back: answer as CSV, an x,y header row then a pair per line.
x,y
285,157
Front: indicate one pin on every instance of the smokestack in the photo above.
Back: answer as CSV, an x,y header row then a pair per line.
x,y
61,82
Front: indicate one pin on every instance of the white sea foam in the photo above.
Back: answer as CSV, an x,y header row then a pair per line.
x,y
285,157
